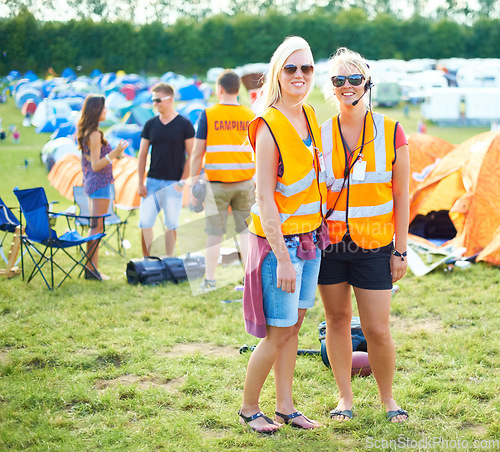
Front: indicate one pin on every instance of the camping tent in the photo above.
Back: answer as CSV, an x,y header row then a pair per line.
x,y
465,183
52,111
425,152
67,173
128,132
57,148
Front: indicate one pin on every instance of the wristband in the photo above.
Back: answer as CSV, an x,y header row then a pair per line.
x,y
398,254
107,158
180,183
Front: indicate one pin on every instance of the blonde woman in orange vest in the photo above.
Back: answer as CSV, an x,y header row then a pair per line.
x,y
367,165
285,232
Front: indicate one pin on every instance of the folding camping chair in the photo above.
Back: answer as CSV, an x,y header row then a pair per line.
x,y
38,234
9,224
118,225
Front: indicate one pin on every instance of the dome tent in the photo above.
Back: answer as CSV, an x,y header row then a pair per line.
x,y
465,185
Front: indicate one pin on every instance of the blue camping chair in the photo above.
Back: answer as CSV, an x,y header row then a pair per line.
x,y
39,234
112,219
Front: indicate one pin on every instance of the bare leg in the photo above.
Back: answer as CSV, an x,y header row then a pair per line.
x,y
284,367
170,239
338,312
259,366
147,235
212,254
374,307
97,207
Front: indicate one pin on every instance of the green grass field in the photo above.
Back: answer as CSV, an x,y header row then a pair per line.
x,y
110,366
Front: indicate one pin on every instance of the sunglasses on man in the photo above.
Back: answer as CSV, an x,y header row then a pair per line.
x,y
354,80
306,69
157,100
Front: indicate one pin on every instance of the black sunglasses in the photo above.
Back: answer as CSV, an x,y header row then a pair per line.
x,y
354,80
306,69
159,99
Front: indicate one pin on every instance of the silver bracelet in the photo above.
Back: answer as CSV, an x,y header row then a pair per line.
x,y
107,158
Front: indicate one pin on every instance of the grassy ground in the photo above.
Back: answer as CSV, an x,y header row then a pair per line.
x,y
110,366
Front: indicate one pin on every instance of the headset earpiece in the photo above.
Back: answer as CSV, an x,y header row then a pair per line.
x,y
368,84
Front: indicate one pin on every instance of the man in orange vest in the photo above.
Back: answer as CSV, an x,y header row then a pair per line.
x,y
229,168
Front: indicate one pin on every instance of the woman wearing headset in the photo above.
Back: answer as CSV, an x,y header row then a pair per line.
x,y
367,164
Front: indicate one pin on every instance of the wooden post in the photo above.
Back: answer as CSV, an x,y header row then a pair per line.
x,y
11,270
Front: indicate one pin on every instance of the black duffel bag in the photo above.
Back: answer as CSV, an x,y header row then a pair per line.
x,y
156,270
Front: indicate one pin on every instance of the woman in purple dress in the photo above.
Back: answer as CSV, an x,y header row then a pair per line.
x,y
97,156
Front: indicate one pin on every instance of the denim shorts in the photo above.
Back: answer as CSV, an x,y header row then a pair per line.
x,y
281,308
103,193
161,196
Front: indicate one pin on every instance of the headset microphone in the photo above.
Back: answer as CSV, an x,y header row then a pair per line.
x,y
368,85
358,99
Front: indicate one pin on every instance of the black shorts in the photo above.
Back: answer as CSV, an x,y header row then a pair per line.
x,y
347,262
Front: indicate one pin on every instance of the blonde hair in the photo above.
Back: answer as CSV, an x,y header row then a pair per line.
x,y
270,92
349,59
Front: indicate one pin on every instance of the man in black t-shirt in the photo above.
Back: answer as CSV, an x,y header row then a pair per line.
x,y
171,138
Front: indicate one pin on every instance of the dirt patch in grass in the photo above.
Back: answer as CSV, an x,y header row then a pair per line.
x,y
140,382
180,350
4,354
430,324
478,431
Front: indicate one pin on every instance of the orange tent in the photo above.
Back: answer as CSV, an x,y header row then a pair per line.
x,y
425,152
67,172
465,182
491,253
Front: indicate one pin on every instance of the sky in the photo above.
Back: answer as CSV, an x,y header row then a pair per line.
x,y
143,11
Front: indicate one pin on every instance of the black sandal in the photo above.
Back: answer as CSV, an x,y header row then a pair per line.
x,y
288,420
400,411
248,419
346,413
92,275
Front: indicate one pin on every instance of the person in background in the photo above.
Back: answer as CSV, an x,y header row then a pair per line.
x,y
97,157
284,256
367,164
229,169
171,138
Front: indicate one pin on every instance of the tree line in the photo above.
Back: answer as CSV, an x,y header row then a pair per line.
x,y
192,46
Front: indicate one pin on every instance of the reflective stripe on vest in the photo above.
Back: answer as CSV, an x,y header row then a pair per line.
x,y
304,209
300,193
362,212
228,158
369,214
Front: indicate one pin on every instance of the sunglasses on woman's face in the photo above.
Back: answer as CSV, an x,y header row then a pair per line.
x,y
306,69
354,80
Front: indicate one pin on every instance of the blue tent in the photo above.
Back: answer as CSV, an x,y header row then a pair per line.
x,y
128,132
68,73
142,97
192,110
52,124
64,130
13,75
30,75
189,92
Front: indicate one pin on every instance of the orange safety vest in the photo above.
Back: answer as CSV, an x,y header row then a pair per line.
x,y
229,157
363,208
301,192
